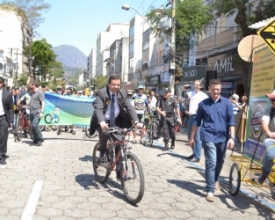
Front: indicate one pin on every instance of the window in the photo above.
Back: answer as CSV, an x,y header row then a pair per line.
x,y
145,45
132,63
131,30
131,47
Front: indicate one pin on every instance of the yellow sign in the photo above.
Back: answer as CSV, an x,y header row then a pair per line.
x,y
268,35
262,80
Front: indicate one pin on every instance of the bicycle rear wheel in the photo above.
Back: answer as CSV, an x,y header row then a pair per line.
x,y
102,171
151,134
19,129
132,179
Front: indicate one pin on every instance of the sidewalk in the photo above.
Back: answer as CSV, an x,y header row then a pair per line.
x,y
260,194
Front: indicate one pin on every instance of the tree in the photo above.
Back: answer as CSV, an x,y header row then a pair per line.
x,y
247,12
22,81
56,69
43,58
192,17
100,81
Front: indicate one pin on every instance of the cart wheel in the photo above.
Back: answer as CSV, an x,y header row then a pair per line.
x,y
234,179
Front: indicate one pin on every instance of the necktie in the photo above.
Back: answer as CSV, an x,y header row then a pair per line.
x,y
112,115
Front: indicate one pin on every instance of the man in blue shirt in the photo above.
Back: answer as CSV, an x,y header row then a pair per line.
x,y
217,132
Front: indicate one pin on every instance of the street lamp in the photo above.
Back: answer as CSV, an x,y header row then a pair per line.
x,y
128,7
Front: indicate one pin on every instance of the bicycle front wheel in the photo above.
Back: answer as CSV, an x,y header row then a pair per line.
x,y
132,179
101,170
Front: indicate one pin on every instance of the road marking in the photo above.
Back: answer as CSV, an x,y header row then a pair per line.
x,y
32,202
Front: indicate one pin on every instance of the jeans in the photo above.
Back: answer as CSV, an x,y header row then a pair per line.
x,y
37,135
269,157
197,141
214,159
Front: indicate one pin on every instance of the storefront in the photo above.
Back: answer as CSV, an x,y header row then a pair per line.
x,y
190,74
152,83
230,70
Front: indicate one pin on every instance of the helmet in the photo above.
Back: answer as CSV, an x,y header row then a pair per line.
x,y
58,87
140,87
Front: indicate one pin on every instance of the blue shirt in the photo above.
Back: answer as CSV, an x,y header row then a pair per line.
x,y
216,118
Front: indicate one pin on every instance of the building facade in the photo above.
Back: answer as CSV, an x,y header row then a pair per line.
x,y
105,40
11,42
91,64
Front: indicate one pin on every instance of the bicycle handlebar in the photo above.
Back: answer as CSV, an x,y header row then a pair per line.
x,y
120,130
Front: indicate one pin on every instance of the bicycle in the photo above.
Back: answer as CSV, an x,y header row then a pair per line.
x,y
49,118
21,126
128,166
153,126
87,132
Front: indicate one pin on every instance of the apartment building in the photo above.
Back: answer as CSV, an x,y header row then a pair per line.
x,y
217,49
118,61
105,39
155,62
137,27
11,38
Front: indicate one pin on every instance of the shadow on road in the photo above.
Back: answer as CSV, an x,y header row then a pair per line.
x,y
86,158
88,181
240,203
72,139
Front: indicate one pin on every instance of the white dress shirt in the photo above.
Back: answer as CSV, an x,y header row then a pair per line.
x,y
2,111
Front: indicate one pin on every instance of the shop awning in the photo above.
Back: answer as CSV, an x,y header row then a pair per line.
x,y
262,23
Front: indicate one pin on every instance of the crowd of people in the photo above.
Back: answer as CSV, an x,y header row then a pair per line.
x,y
209,118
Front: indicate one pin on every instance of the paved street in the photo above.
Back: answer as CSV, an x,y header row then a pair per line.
x,y
62,169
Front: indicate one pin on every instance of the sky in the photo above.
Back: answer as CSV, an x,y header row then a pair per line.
x,y
78,22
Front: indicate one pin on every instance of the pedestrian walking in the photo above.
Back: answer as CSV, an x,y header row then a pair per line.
x,y
167,107
195,97
6,119
37,106
216,120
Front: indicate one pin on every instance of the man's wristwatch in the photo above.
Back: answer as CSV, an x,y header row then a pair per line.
x,y
234,139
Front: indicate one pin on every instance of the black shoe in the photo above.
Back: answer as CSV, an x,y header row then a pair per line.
x,y
3,161
165,147
194,160
260,180
190,157
33,143
39,143
118,175
173,145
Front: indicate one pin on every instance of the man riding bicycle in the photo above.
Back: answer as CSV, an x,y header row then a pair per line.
x,y
111,108
140,103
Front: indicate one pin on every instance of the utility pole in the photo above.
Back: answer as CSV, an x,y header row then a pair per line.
x,y
172,66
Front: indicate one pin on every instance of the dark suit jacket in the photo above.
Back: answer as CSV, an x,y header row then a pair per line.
x,y
127,112
8,105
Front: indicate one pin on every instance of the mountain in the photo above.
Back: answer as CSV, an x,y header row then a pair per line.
x,y
70,56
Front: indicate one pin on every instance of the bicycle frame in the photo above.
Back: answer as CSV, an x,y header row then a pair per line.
x,y
111,145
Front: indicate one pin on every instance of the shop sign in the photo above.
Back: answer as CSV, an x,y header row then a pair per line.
x,y
190,73
193,73
154,79
224,66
